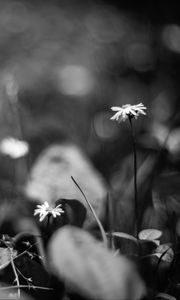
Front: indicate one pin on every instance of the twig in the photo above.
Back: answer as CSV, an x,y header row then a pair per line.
x,y
15,272
38,238
26,286
23,276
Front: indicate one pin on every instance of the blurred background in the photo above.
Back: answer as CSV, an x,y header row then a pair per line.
x,y
63,64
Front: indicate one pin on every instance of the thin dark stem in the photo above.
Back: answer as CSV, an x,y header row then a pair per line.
x,y
48,222
39,243
135,179
103,233
110,221
15,272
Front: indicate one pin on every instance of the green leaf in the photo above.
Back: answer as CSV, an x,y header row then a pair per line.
x,y
5,256
125,236
150,234
90,269
165,296
165,252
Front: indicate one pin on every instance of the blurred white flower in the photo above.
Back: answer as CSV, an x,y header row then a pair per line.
x,y
11,86
126,111
13,147
45,209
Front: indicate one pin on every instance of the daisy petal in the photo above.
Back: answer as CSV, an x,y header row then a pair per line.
x,y
128,110
116,108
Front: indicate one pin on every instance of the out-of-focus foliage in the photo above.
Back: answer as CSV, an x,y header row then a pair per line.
x,y
12,294
91,270
50,179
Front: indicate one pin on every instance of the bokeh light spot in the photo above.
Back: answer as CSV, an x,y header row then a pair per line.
x,y
104,127
173,142
106,25
74,80
162,106
140,56
171,37
13,147
15,17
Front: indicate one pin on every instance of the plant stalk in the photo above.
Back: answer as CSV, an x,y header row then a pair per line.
x,y
136,216
103,233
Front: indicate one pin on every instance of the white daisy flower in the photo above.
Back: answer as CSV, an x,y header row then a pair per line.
x,y
13,147
128,110
45,209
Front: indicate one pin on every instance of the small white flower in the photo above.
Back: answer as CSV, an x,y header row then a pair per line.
x,y
13,147
45,209
128,110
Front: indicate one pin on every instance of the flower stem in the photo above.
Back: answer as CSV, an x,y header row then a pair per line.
x,y
136,217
